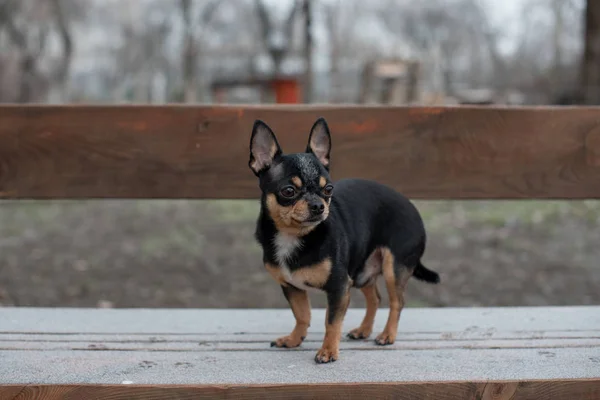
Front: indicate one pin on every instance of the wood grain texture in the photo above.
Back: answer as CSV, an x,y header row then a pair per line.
x,y
534,390
202,151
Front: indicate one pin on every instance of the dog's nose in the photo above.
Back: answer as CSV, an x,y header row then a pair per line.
x,y
317,207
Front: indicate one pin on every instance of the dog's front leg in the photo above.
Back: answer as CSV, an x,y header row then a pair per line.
x,y
300,304
337,304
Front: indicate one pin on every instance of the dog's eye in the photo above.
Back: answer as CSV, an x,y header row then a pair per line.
x,y
328,190
288,192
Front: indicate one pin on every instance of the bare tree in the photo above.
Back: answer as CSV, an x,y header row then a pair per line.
x,y
546,62
28,54
308,51
190,43
450,37
333,36
276,37
60,79
142,56
189,62
561,69
590,83
349,48
29,26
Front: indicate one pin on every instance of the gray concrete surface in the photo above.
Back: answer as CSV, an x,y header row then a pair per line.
x,y
77,346
186,321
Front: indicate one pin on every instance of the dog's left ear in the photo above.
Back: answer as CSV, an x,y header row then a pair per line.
x,y
319,142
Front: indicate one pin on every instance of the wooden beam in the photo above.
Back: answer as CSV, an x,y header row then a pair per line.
x,y
202,151
510,390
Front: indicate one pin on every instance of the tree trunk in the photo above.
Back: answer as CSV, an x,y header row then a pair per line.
x,y
590,89
189,59
557,79
308,52
63,69
189,72
27,59
335,56
27,83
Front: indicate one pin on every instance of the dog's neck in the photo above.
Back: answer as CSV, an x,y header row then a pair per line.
x,y
285,246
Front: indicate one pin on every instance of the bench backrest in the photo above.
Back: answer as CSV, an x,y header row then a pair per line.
x,y
202,151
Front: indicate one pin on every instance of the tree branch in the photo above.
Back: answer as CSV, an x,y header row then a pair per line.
x,y
7,14
62,71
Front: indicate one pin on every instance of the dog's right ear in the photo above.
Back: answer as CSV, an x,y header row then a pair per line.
x,y
264,148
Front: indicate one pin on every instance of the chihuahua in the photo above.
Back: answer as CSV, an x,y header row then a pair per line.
x,y
319,235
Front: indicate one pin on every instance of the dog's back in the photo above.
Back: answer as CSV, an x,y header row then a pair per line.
x,y
369,216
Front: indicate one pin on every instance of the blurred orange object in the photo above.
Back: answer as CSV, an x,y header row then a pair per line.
x,y
287,91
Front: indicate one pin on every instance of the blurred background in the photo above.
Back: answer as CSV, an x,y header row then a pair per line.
x,y
400,52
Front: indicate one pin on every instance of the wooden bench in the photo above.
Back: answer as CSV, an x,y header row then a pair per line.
x,y
75,152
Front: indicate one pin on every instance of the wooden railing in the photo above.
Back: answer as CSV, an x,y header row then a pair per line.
x,y
202,152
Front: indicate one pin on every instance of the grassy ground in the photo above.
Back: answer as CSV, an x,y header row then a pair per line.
x,y
202,254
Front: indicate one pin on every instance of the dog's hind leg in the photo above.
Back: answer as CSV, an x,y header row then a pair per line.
x,y
396,278
367,282
372,299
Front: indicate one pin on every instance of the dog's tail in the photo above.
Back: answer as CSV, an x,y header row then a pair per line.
x,y
426,275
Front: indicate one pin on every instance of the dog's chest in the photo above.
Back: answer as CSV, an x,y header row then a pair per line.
x,y
285,247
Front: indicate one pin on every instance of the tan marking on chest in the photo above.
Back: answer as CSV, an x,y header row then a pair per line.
x,y
314,276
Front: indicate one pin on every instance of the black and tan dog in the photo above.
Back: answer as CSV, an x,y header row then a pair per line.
x,y
316,237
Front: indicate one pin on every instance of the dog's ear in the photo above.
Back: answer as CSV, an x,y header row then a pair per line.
x,y
264,148
319,142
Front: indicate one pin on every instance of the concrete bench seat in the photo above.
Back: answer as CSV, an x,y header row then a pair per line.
x,y
457,353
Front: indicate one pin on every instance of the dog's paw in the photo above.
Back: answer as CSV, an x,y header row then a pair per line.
x,y
359,333
289,341
326,355
385,338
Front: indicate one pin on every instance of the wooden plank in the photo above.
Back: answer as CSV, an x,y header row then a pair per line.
x,y
202,151
534,390
467,335
295,366
311,344
419,323
438,350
